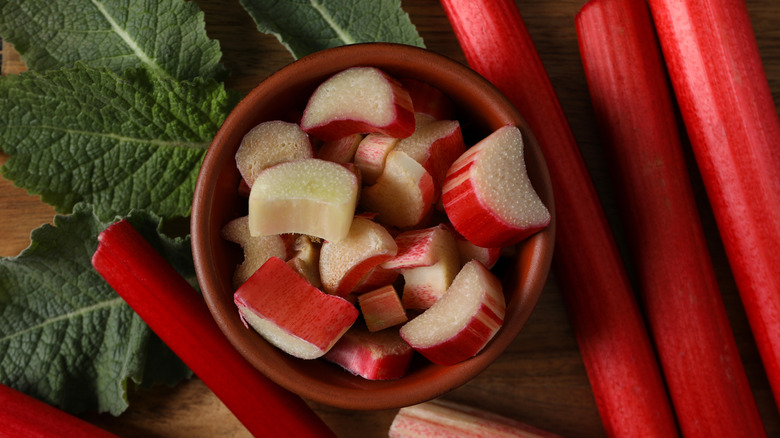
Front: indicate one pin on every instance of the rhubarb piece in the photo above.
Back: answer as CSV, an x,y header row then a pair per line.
x,y
344,263
290,313
487,194
382,308
468,251
403,195
310,196
378,277
462,321
306,259
440,418
603,311
271,143
429,260
436,146
428,99
341,150
359,100
728,109
174,311
381,355
633,106
257,249
371,154
25,416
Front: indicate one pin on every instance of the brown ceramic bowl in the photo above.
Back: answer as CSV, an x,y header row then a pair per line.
x,y
480,109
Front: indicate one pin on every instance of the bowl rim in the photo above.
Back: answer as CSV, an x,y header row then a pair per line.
x,y
535,258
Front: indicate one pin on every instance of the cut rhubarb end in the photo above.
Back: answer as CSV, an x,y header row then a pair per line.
x,y
290,313
371,155
341,150
404,194
305,259
487,194
311,196
271,143
343,264
435,145
428,99
441,418
257,249
462,321
381,355
359,100
382,308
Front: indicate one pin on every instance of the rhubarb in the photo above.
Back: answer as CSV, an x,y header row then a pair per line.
x,y
441,418
603,311
722,90
25,416
633,106
173,309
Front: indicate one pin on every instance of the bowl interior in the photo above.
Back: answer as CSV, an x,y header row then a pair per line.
x,y
480,110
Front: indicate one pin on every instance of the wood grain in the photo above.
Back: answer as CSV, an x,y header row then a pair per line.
x,y
540,379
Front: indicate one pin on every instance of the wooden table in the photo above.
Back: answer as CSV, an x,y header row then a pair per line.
x,y
540,379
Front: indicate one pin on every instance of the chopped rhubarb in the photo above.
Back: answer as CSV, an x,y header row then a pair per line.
x,y
382,308
633,106
309,196
174,310
428,99
487,194
345,262
290,313
728,109
462,321
371,155
270,143
441,418
404,194
306,259
359,100
435,145
341,150
601,304
257,249
381,355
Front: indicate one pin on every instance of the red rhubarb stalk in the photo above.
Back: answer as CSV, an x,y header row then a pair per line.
x,y
175,311
24,416
726,104
633,106
613,339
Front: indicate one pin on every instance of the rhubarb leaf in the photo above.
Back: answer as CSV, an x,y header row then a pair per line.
x,y
65,336
117,142
167,37
307,26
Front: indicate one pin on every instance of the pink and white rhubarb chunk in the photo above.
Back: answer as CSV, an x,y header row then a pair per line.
x,y
428,99
359,100
371,154
345,262
444,419
404,194
256,249
309,196
488,196
462,321
429,260
381,355
382,308
341,150
270,143
290,313
435,145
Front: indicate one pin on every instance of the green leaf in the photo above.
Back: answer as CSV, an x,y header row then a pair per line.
x,y
65,336
116,142
307,26
166,36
